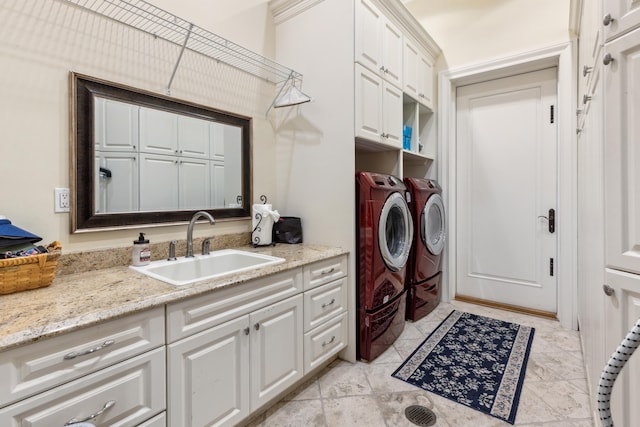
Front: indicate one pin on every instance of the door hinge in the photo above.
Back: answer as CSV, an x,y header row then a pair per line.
x,y
551,267
552,114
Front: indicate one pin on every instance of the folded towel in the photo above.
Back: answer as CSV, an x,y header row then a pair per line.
x,y
10,235
263,218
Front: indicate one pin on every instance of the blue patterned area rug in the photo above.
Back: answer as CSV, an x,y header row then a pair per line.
x,y
473,360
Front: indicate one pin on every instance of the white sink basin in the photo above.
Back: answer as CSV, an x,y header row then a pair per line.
x,y
184,271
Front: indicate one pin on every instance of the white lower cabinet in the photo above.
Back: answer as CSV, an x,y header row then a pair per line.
x,y
208,376
227,354
125,394
218,376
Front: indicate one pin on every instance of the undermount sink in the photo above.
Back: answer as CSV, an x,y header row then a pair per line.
x,y
202,267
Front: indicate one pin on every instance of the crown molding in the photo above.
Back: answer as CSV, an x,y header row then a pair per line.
x,y
287,9
401,14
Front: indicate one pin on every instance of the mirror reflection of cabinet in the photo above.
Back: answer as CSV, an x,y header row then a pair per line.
x,y
140,150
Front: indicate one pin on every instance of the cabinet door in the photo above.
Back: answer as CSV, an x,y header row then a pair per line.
x,y
208,376
118,192
368,35
591,258
276,349
392,115
410,68
392,52
193,137
625,15
195,183
158,131
158,171
368,100
425,80
622,153
217,184
116,125
622,311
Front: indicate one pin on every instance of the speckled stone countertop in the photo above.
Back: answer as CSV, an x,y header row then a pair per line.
x,y
77,300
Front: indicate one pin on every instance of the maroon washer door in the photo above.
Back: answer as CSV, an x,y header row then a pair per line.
x,y
423,298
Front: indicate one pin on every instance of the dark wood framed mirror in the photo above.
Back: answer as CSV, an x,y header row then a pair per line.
x,y
143,159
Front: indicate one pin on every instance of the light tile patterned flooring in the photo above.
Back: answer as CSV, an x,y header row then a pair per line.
x,y
365,394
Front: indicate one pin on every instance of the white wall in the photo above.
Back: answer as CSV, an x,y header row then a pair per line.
x,y
473,31
41,41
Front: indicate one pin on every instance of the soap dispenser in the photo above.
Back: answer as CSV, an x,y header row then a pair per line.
x,y
141,254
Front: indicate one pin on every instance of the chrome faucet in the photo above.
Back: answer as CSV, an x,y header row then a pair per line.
x,y
194,218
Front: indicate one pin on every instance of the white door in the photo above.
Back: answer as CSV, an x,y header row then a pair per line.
x,y
507,179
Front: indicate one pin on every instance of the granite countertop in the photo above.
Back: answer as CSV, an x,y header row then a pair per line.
x,y
74,301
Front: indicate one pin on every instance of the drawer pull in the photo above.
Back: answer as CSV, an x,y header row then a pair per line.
x,y
106,406
329,271
246,330
327,304
75,354
326,343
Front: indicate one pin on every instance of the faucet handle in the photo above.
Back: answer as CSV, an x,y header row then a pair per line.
x,y
172,251
206,244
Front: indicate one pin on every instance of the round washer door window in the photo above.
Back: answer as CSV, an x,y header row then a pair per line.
x,y
395,232
432,225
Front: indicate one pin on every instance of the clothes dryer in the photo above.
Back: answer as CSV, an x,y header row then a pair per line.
x,y
424,268
384,235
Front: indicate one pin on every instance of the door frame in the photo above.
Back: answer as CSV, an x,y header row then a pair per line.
x,y
562,56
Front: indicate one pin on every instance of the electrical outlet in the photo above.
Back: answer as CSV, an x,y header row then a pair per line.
x,y
62,200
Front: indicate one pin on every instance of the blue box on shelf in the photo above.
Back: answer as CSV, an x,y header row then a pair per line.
x,y
406,137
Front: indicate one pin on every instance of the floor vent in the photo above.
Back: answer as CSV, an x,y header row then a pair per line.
x,y
420,415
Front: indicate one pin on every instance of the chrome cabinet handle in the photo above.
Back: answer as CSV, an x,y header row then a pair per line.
x,y
586,98
246,330
608,290
75,354
608,59
256,326
586,70
326,343
329,271
106,406
607,19
327,304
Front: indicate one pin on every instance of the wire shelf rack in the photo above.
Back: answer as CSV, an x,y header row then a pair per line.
x,y
145,17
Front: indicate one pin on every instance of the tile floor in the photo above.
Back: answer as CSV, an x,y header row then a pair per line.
x,y
365,394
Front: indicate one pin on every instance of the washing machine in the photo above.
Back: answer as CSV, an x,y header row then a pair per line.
x,y
424,267
384,234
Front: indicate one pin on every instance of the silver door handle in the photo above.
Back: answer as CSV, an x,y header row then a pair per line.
x,y
75,354
608,290
106,406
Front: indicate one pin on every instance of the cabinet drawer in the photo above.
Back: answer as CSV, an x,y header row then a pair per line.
x,y
197,314
32,368
325,341
324,303
157,421
125,394
325,271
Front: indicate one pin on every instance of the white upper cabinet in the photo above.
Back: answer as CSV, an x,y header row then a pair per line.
x,y
620,16
418,73
378,42
622,153
378,109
